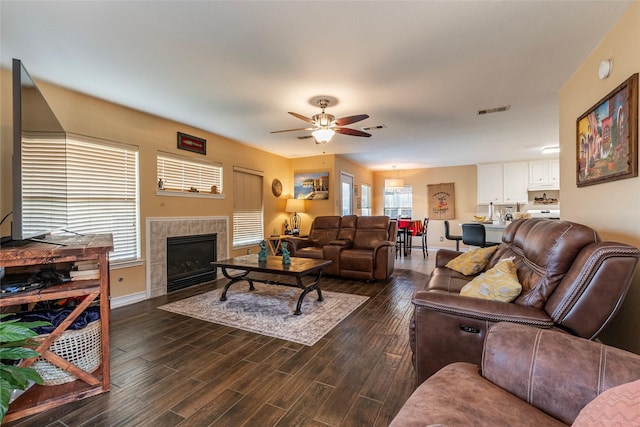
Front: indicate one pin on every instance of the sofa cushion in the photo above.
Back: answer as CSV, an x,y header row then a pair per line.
x,y
472,262
324,230
532,364
499,283
617,406
348,228
371,231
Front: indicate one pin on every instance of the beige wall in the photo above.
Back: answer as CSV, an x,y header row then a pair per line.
x,y
85,115
360,175
612,208
466,183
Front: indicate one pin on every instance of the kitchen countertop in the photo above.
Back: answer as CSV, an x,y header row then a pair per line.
x,y
497,226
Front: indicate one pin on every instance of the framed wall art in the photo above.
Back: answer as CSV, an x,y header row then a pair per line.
x,y
311,186
441,199
192,143
607,137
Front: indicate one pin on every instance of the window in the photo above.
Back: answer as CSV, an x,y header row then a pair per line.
x,y
248,223
398,201
102,193
184,174
366,200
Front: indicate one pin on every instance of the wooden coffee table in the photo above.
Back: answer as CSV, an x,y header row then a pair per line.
x,y
299,267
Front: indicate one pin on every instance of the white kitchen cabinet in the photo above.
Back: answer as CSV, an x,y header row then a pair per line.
x,y
515,182
500,183
490,184
554,173
544,174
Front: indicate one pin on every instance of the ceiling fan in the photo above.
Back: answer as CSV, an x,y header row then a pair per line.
x,y
326,125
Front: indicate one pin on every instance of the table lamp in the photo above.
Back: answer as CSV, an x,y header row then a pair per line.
x,y
295,206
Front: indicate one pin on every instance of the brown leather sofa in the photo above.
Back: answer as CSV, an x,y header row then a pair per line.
x,y
530,377
360,248
571,281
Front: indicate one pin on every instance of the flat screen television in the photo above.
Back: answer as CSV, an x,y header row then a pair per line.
x,y
39,162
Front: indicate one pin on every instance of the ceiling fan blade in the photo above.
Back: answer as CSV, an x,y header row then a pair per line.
x,y
351,119
301,117
352,132
291,130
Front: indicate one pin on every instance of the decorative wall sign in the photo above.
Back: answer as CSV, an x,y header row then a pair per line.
x,y
442,200
192,143
607,137
311,186
276,187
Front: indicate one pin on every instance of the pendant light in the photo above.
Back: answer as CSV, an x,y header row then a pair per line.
x,y
394,182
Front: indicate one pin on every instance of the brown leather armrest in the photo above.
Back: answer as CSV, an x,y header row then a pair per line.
x,y
476,308
443,256
297,243
343,243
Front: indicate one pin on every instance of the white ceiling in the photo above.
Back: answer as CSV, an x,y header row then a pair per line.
x,y
421,68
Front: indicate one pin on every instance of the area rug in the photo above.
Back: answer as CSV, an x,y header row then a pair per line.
x,y
269,310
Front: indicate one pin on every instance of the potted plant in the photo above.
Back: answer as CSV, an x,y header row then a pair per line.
x,y
16,344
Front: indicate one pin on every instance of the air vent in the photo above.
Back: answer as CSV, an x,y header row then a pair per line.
x,y
369,128
494,110
304,137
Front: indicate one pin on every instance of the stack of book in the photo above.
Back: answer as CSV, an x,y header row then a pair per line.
x,y
84,270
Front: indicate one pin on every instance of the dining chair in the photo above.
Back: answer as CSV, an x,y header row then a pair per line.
x,y
475,235
450,236
425,249
401,242
421,231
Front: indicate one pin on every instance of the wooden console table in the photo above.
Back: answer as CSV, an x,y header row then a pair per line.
x,y
61,251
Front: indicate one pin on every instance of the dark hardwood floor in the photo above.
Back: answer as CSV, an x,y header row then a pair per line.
x,y
171,370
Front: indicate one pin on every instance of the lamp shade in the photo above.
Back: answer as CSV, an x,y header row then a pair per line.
x,y
294,205
323,134
394,182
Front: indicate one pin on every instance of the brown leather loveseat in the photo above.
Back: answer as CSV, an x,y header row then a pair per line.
x,y
360,248
570,281
530,377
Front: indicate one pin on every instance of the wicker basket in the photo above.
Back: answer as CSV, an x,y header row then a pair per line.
x,y
81,347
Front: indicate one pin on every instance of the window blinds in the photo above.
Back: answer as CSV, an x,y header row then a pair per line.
x,y
248,224
182,174
102,193
44,186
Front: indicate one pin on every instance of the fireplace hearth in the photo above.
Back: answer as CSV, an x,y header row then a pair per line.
x,y
189,260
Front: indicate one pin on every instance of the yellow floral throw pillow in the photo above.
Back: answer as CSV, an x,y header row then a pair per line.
x,y
499,283
472,262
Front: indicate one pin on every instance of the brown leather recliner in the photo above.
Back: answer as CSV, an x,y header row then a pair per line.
x,y
324,230
530,377
571,281
372,255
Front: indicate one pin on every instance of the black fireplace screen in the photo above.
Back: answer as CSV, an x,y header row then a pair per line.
x,y
189,260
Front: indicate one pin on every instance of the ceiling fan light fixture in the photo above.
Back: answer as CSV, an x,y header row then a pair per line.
x,y
324,119
323,135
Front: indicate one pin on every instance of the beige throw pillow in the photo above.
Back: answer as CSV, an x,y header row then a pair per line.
x,y
499,283
472,262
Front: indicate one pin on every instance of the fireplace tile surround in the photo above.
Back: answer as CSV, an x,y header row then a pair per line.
x,y
158,229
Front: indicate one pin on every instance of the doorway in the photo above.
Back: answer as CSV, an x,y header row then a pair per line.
x,y
346,193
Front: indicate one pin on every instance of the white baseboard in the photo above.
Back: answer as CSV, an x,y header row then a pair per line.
x,y
128,299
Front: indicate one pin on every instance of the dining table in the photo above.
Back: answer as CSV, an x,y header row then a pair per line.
x,y
407,228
